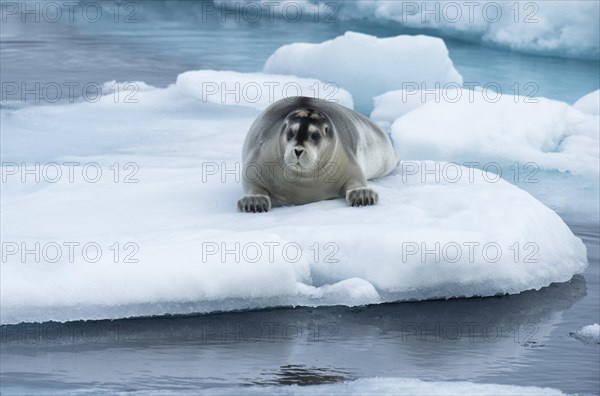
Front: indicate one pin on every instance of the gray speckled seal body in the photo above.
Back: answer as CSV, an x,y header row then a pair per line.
x,y
301,150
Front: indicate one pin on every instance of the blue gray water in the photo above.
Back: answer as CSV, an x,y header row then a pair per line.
x,y
522,339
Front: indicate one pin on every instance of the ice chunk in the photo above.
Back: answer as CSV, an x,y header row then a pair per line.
x,y
589,333
171,241
366,65
537,143
427,239
500,128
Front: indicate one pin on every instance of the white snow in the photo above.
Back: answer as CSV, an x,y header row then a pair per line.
x,y
432,235
589,103
559,28
397,386
366,65
546,146
590,333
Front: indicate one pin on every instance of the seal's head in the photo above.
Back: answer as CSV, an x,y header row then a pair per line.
x,y
306,138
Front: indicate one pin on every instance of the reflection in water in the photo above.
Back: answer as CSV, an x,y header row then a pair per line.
x,y
299,374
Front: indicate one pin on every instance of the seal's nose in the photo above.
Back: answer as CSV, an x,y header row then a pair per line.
x,y
298,152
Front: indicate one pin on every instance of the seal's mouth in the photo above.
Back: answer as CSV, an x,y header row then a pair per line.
x,y
292,161
296,166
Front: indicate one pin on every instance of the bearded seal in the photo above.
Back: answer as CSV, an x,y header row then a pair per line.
x,y
301,150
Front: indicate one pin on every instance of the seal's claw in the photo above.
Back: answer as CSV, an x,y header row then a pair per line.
x,y
362,196
254,204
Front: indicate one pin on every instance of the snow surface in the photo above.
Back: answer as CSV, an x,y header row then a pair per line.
x,y
397,386
590,333
589,103
537,143
368,66
558,28
185,151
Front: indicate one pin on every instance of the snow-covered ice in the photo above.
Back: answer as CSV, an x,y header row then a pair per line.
x,y
534,142
445,233
368,66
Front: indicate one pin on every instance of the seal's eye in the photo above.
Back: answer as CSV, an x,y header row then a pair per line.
x,y
326,130
315,136
290,135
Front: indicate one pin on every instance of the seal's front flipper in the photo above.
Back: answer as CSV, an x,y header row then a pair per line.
x,y
361,196
254,203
